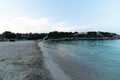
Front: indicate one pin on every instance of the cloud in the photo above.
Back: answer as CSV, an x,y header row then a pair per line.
x,y
33,25
26,25
72,28
32,22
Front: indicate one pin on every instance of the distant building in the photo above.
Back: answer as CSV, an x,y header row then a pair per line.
x,y
99,33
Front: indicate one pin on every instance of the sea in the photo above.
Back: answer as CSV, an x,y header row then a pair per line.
x,y
87,59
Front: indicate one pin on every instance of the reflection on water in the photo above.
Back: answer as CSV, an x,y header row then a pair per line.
x,y
87,60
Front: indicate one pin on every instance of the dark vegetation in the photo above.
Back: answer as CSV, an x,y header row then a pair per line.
x,y
22,36
87,35
58,35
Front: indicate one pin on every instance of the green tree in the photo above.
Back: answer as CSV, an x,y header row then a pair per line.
x,y
8,35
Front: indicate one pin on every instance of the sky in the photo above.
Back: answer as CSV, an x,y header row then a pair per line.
x,y
42,16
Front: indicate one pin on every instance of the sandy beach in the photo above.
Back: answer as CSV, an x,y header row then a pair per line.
x,y
22,60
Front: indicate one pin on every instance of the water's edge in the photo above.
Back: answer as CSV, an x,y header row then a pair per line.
x,y
86,60
53,67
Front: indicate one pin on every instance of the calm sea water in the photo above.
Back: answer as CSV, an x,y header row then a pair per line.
x,y
87,59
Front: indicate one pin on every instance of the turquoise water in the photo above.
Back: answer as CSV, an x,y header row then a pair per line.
x,y
87,59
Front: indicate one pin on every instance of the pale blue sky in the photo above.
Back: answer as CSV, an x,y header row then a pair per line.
x,y
61,15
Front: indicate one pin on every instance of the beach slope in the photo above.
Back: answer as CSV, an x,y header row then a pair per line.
x,y
22,60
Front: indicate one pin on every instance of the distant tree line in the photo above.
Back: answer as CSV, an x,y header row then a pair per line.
x,y
22,36
55,35
92,34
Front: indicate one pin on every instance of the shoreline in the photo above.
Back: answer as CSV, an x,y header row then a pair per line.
x,y
22,60
52,66
68,64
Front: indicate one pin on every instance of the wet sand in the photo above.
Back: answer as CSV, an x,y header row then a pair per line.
x,y
67,66
22,60
53,67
